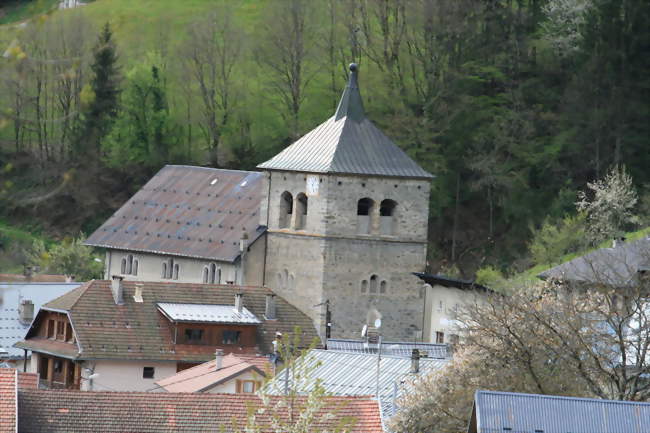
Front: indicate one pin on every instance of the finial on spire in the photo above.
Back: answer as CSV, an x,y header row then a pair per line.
x,y
351,105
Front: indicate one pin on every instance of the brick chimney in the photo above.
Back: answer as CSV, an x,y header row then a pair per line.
x,y
117,289
269,312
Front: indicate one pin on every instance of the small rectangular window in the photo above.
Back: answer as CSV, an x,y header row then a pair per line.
x,y
58,366
193,335
50,329
148,372
248,386
60,330
440,337
68,332
231,337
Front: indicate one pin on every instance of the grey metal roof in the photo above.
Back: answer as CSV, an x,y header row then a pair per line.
x,y
530,413
347,143
11,329
188,211
446,281
342,373
395,348
207,313
618,266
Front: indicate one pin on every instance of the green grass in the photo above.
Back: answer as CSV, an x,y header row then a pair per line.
x,y
530,276
15,11
13,241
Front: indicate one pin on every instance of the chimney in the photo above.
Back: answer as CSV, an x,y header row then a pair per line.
x,y
26,311
218,357
415,361
28,271
137,297
238,302
269,313
118,289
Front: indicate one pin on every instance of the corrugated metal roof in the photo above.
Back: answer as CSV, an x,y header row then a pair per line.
x,y
207,313
619,266
395,348
11,329
523,413
188,211
347,143
342,373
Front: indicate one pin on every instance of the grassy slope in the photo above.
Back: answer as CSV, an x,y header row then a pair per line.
x,y
13,241
16,11
530,275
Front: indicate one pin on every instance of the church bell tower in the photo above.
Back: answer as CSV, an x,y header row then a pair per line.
x,y
346,212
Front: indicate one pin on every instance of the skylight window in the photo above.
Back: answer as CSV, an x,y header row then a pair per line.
x,y
215,180
244,183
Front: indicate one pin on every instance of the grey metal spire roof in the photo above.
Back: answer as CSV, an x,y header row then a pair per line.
x,y
347,143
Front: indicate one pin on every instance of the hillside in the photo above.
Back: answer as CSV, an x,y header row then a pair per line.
x,y
495,101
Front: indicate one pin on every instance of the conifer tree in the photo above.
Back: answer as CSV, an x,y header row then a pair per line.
x,y
101,96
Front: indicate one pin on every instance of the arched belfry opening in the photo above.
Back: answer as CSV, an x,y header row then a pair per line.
x,y
301,211
387,217
286,210
365,207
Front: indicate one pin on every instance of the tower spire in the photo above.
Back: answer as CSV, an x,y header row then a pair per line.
x,y
351,104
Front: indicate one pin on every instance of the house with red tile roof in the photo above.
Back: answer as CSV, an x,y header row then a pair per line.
x,y
69,411
225,374
126,335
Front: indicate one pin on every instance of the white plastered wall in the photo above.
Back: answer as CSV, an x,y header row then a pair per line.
x,y
123,375
441,306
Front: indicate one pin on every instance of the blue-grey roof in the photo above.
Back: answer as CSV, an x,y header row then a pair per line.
x,y
11,329
619,266
530,413
395,348
343,373
347,143
207,313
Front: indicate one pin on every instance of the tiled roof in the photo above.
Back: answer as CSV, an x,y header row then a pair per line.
x,y
58,411
207,313
8,389
205,376
498,411
347,143
394,348
619,266
188,211
12,330
34,278
139,331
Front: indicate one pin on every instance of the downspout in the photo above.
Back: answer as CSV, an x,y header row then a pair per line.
x,y
266,235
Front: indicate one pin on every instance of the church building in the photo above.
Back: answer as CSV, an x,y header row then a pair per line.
x,y
336,224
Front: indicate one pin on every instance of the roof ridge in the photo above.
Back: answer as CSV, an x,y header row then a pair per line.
x,y
212,168
560,397
74,294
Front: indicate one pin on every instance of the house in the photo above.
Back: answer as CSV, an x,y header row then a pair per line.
x,y
231,374
444,298
126,335
26,409
513,412
68,411
20,299
355,374
336,223
622,265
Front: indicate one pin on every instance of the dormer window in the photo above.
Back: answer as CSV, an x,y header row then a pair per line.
x,y
193,336
231,337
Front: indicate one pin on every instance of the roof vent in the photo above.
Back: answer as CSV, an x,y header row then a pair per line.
x,y
218,357
415,361
269,312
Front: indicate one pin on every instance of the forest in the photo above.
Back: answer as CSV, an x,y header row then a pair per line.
x,y
516,106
